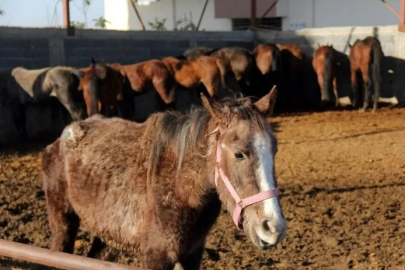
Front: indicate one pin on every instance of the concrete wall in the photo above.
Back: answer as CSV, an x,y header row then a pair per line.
x,y
122,16
392,41
332,13
37,48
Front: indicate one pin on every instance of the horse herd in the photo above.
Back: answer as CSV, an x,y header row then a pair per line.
x,y
110,89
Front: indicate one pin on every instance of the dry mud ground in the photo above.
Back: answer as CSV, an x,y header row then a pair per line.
x,y
342,180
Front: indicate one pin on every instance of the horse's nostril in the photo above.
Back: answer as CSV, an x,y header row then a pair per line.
x,y
266,225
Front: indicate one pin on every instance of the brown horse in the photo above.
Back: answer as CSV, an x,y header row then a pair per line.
x,y
149,75
158,186
210,71
268,58
325,66
102,87
365,56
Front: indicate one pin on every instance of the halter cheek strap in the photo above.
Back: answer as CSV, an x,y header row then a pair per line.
x,y
240,203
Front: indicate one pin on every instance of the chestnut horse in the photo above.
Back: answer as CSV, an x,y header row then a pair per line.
x,y
268,62
325,66
157,187
268,58
210,71
146,76
365,56
102,87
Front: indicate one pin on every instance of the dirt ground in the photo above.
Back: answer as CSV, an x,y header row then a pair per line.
x,y
342,180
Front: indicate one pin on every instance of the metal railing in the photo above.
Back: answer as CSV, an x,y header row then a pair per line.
x,y
56,259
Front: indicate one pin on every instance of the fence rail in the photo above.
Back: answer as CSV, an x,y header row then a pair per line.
x,y
56,259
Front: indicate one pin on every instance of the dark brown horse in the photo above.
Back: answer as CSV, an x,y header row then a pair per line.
x,y
293,57
158,186
210,71
365,59
102,87
146,76
325,66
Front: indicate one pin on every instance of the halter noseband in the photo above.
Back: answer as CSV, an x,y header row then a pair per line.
x,y
240,203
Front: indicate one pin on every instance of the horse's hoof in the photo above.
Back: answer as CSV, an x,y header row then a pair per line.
x,y
362,110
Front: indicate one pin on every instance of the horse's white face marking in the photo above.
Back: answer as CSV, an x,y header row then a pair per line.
x,y
265,174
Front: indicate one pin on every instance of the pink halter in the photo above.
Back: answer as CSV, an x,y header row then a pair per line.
x,y
240,203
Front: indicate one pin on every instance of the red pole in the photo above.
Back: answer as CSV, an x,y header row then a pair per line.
x,y
56,259
252,14
401,26
392,9
66,14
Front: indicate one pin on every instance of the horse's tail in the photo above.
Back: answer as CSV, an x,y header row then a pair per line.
x,y
377,57
327,74
222,69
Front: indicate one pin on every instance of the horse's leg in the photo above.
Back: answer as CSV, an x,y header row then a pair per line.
x,y
63,222
353,79
366,80
193,261
96,248
321,84
165,90
20,119
335,91
157,260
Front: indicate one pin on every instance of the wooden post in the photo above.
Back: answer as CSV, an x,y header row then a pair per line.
x,y
66,18
252,14
401,26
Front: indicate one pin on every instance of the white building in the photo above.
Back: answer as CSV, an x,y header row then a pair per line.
x,y
227,15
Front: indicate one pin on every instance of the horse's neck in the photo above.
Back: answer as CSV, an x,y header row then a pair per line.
x,y
196,181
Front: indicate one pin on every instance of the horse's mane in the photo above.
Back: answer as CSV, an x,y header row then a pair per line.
x,y
181,132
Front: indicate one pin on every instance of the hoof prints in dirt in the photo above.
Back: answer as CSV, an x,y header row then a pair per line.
x,y
342,180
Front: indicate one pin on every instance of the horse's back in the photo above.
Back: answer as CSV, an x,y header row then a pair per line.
x,y
28,80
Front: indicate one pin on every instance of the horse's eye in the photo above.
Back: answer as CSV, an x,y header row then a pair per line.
x,y
239,156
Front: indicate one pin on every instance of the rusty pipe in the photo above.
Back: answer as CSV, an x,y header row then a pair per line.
x,y
391,8
56,259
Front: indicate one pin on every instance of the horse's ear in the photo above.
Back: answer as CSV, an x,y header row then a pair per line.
x,y
319,45
265,105
213,111
350,46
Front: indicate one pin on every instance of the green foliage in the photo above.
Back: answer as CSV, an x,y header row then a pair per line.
x,y
101,22
80,25
158,25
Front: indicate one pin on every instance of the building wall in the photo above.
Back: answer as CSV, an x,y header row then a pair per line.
x,y
124,17
332,13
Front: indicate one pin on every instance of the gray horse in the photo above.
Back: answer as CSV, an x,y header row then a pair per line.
x,y
21,86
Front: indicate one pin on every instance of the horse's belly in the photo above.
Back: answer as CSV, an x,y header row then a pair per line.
x,y
105,199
